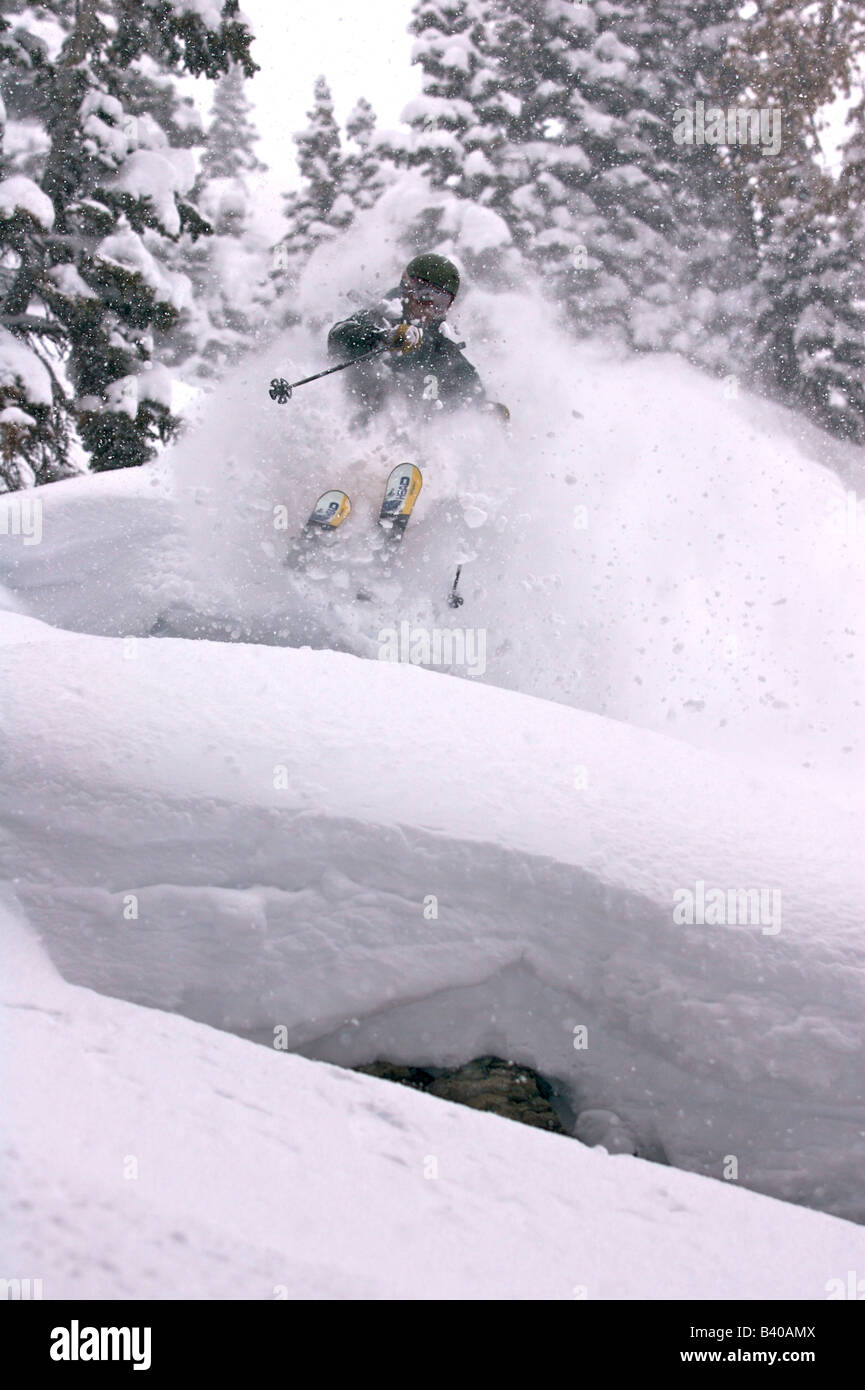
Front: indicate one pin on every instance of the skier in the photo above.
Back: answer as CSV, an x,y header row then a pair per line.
x,y
410,353
424,364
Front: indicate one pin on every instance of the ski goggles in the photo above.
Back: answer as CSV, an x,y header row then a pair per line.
x,y
422,293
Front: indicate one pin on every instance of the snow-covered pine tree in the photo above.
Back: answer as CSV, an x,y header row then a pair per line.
x,y
657,237
829,333
231,134
811,320
474,85
447,36
84,290
319,208
228,269
508,109
571,157
850,205
364,176
338,183
560,117
688,292
34,435
319,157
497,122
852,181
810,317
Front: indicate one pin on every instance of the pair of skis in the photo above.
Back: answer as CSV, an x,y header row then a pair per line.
x,y
400,494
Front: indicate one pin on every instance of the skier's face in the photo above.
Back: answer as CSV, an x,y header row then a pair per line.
x,y
423,303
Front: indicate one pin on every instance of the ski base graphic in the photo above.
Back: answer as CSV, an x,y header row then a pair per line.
x,y
401,492
330,511
328,514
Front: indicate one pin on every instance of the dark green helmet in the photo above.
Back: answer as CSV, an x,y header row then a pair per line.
x,y
434,270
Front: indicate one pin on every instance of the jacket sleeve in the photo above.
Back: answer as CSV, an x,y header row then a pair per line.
x,y
354,336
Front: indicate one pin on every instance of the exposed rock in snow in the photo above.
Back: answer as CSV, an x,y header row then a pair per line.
x,y
487,1083
501,1088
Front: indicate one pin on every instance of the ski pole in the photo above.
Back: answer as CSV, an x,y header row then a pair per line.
x,y
455,600
281,390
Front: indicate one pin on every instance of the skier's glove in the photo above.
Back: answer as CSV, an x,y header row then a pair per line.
x,y
500,411
406,337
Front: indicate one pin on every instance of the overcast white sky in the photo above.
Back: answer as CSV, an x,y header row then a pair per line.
x,y
363,48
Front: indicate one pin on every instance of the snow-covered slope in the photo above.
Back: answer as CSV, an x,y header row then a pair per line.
x,y
662,699
156,1158
639,545
386,862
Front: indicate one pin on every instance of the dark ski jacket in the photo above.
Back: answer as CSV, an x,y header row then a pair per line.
x,y
434,376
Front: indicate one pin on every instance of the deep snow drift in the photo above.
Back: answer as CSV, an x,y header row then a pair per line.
x,y
385,861
291,854
160,1159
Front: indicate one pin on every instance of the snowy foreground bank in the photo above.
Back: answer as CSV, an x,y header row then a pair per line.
x,y
521,854
386,862
157,1158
